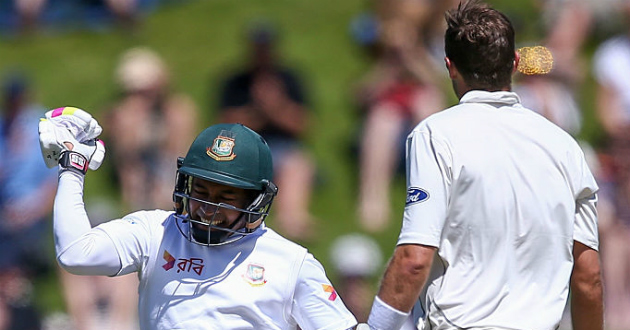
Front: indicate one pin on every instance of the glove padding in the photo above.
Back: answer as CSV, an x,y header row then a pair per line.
x,y
69,128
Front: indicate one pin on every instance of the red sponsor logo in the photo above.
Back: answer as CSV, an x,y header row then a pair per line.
x,y
183,264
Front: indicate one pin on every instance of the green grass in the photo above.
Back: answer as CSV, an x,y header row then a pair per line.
x,y
199,40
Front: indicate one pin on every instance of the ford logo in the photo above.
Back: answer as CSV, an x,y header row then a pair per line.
x,y
416,195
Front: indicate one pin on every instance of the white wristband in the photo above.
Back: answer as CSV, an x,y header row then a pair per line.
x,y
385,317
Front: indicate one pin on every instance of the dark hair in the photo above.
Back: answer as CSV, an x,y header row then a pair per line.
x,y
262,32
479,41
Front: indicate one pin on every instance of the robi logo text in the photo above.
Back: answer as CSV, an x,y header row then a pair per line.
x,y
183,265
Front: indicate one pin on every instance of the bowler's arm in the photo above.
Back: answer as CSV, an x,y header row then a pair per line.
x,y
587,312
406,275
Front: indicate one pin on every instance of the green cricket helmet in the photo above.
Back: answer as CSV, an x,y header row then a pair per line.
x,y
231,155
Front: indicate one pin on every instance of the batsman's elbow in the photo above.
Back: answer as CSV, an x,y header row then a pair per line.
x,y
78,262
67,264
70,263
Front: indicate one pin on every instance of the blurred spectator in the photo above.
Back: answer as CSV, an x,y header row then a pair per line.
x,y
568,24
271,99
28,13
27,16
27,189
612,72
125,12
356,259
403,87
147,128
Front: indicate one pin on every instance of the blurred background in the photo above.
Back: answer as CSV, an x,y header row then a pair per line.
x,y
334,86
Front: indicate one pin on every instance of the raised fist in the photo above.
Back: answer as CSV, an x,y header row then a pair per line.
x,y
71,131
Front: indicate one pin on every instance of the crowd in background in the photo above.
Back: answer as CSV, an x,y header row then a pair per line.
x,y
149,124
23,17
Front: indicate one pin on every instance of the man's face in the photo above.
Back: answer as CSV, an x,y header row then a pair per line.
x,y
216,193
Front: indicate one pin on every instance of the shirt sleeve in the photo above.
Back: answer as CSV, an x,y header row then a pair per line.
x,y
585,227
131,237
316,305
80,249
113,248
428,173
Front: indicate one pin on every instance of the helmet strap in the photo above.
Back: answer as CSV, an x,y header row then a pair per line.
x,y
254,225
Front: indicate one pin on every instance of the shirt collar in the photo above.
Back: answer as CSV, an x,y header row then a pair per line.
x,y
501,98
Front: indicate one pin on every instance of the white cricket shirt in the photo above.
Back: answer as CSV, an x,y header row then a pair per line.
x,y
502,193
262,281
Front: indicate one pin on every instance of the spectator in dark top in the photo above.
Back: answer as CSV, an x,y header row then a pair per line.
x,y
271,100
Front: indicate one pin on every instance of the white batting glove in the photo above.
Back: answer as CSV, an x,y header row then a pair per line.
x,y
67,137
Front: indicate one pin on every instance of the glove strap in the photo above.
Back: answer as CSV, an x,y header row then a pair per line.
x,y
73,161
